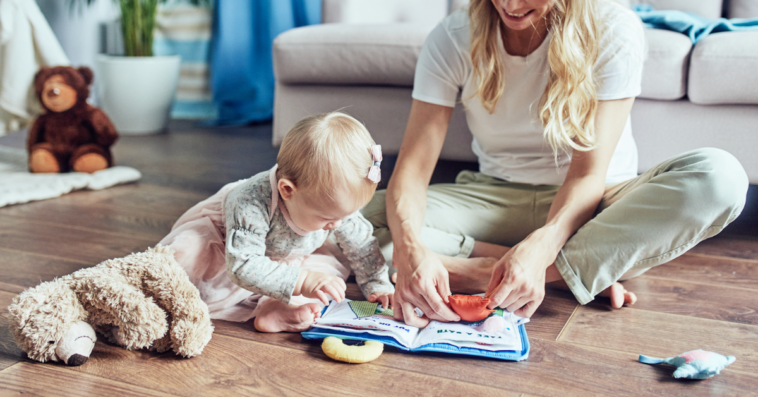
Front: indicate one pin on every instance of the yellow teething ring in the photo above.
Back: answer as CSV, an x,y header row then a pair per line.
x,y
336,349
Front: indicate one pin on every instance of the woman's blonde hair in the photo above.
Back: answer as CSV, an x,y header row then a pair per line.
x,y
323,153
569,102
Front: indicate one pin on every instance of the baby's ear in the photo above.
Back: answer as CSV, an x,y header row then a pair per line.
x,y
286,188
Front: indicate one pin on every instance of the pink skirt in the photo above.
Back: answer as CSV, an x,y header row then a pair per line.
x,y
198,239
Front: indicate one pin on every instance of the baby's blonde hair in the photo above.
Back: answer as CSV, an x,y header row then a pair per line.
x,y
326,152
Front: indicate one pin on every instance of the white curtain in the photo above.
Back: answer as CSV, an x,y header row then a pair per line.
x,y
26,44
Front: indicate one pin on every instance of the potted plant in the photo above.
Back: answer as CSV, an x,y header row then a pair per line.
x,y
137,89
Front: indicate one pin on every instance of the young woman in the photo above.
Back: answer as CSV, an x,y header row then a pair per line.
x,y
547,86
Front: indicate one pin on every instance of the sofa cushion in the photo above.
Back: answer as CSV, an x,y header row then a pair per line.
x,y
706,8
742,8
664,75
723,69
349,54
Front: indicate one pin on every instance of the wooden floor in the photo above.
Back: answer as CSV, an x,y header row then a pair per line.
x,y
705,299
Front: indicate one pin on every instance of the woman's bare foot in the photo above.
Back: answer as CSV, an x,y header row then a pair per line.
x,y
619,296
617,293
468,275
275,316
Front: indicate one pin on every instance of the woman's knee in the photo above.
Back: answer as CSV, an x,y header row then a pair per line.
x,y
720,180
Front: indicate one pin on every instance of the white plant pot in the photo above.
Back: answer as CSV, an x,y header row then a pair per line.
x,y
137,92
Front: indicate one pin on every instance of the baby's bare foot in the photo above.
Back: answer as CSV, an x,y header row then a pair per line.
x,y
619,296
276,316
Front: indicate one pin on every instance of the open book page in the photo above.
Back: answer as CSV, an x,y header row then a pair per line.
x,y
473,335
362,316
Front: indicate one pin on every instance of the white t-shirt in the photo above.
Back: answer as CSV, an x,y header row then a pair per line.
x,y
509,142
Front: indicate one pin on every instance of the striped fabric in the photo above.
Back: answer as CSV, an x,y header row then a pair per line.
x,y
185,30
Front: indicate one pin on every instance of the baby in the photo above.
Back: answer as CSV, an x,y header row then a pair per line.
x,y
254,249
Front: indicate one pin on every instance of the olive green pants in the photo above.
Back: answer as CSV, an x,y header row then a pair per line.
x,y
639,224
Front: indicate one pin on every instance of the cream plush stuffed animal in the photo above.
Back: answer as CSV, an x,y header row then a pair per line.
x,y
144,300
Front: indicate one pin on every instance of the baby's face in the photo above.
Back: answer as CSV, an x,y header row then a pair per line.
x,y
311,214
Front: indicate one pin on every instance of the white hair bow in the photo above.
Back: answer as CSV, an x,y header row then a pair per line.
x,y
374,173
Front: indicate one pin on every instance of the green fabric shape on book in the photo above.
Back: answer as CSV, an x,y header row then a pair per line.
x,y
368,309
363,308
384,312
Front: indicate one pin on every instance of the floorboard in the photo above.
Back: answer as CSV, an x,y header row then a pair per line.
x,y
733,305
112,219
662,334
711,270
28,379
10,353
553,368
550,318
21,270
232,366
152,199
70,242
6,362
743,247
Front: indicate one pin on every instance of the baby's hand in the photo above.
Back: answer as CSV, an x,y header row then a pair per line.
x,y
317,285
386,298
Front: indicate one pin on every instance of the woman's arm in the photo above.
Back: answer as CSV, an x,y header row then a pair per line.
x,y
518,280
422,281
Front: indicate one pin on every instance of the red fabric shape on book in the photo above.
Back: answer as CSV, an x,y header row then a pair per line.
x,y
470,308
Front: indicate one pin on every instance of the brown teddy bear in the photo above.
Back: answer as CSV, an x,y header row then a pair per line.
x,y
71,135
144,300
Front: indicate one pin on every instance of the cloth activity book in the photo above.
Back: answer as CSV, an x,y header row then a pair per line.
x,y
362,320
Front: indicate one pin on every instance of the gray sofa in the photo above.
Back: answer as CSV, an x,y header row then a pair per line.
x,y
706,95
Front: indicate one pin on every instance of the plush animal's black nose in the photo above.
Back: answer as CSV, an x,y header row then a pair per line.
x,y
54,92
76,360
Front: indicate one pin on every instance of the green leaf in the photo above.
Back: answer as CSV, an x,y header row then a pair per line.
x,y
137,22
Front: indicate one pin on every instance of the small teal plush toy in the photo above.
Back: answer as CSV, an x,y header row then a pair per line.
x,y
695,364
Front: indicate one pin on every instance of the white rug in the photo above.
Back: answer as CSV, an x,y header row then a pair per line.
x,y
18,185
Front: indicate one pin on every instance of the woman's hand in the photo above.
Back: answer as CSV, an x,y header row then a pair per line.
x,y
385,298
518,279
422,281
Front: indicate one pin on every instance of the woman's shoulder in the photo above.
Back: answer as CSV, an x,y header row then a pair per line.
x,y
454,28
620,24
457,21
622,52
